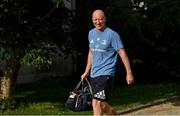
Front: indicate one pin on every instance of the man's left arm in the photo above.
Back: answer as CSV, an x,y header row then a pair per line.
x,y
125,60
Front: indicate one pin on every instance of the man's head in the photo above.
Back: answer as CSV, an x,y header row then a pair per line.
x,y
99,20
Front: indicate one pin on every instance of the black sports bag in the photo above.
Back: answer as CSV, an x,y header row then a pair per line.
x,y
80,99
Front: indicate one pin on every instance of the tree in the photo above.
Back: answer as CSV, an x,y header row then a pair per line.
x,y
154,25
149,31
31,32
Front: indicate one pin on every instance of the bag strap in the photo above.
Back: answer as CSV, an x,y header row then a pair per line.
x,y
90,88
82,82
77,86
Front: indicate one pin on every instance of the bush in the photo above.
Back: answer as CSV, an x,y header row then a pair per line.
x,y
9,103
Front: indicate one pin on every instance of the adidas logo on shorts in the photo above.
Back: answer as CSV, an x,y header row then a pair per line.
x,y
100,95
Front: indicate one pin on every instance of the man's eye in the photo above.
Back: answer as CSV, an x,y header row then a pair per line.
x,y
98,19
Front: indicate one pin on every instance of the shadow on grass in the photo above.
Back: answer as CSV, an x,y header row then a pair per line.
x,y
54,90
142,94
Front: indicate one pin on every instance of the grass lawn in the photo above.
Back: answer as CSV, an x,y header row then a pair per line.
x,y
47,97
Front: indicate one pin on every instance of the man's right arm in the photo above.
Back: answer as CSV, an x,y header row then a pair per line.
x,y
88,65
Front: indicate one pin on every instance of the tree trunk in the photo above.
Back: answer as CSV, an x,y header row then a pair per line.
x,y
8,80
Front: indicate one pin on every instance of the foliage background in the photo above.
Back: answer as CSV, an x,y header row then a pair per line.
x,y
149,30
32,32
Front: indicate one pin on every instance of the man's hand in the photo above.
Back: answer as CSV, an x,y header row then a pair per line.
x,y
84,76
130,79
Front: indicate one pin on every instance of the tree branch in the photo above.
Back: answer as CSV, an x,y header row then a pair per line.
x,y
48,14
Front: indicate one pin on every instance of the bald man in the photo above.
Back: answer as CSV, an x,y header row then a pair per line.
x,y
104,47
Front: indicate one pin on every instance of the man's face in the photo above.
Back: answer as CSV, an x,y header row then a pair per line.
x,y
99,21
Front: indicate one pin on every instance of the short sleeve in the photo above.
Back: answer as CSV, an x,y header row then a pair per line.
x,y
116,41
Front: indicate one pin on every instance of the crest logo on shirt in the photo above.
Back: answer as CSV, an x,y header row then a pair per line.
x,y
103,42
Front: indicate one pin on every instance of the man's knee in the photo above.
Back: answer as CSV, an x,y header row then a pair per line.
x,y
96,103
102,104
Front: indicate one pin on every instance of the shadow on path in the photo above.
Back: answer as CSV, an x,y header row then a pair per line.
x,y
166,106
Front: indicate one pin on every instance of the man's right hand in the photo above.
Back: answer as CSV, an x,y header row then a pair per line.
x,y
83,76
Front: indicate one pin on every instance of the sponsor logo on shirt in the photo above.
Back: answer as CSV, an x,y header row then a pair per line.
x,y
98,50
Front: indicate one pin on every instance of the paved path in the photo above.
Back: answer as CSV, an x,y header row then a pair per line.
x,y
161,107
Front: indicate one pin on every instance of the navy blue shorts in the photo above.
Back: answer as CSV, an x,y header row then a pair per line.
x,y
101,87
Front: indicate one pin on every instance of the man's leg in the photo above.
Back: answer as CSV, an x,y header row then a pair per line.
x,y
100,107
107,109
96,107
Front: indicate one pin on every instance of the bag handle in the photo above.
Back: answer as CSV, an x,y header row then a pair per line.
x,y
82,82
90,88
78,85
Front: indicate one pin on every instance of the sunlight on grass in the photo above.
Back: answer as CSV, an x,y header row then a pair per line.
x,y
44,98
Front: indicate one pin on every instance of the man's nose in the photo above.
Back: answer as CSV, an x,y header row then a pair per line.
x,y
98,21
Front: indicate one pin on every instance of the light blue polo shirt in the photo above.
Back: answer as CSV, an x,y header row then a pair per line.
x,y
104,46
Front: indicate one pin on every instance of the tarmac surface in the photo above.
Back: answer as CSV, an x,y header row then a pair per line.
x,y
169,106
